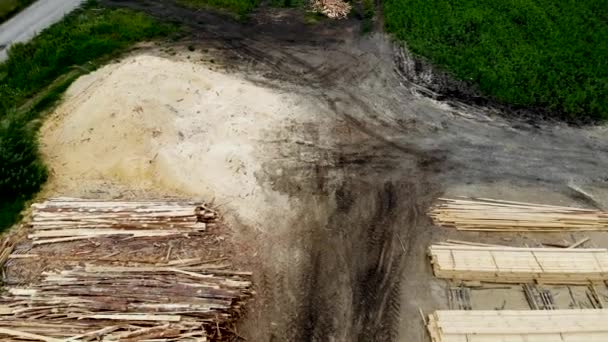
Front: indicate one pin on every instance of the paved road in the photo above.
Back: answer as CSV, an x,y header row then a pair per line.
x,y
32,20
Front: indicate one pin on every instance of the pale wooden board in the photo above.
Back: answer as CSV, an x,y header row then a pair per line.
x,y
519,265
497,215
519,326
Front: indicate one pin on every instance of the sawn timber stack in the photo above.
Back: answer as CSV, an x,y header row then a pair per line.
x,y
519,326
520,265
70,219
482,214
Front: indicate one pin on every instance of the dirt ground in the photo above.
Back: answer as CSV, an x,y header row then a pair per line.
x,y
323,155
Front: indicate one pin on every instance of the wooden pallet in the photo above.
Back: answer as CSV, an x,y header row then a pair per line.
x,y
505,216
519,326
520,265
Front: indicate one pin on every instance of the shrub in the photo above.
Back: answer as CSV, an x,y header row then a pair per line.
x,y
30,76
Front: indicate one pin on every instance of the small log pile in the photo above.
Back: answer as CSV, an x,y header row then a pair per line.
x,y
69,219
505,216
185,300
334,9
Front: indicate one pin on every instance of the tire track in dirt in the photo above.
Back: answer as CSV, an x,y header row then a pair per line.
x,y
339,279
334,272
334,275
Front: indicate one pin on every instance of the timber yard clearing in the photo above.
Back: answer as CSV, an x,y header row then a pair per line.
x,y
323,161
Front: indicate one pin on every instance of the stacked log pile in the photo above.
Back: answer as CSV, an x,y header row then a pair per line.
x,y
505,216
520,265
77,331
180,301
519,326
70,219
107,291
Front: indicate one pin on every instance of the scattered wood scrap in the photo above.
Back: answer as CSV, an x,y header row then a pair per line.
x,y
459,298
594,297
450,242
84,330
585,195
335,9
539,298
518,326
168,302
482,214
519,265
70,219
579,243
7,245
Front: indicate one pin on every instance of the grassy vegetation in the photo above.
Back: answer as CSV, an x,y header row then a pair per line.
x,y
34,77
237,7
539,53
8,8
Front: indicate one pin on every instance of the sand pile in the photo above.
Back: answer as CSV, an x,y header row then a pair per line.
x,y
166,126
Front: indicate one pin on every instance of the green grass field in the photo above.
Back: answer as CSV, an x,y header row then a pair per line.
x,y
542,53
8,8
34,77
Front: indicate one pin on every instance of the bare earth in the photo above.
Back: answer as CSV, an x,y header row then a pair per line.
x,y
158,125
323,159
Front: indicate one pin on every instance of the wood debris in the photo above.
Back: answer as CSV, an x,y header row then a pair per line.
x,y
519,265
483,214
519,326
459,298
579,243
539,298
594,297
7,245
335,9
147,271
451,242
69,219
155,302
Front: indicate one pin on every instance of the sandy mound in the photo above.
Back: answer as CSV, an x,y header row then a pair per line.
x,y
153,124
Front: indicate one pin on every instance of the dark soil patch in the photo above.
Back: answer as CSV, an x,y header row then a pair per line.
x,y
336,272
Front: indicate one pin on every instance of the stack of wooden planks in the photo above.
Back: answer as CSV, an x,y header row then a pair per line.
x,y
519,265
505,216
181,301
519,326
69,219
